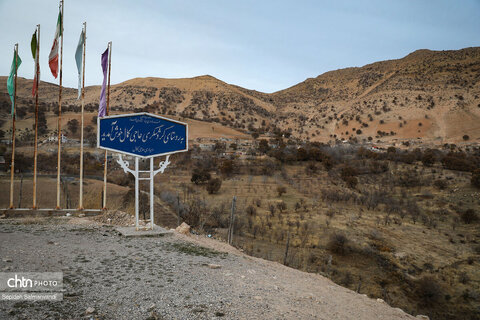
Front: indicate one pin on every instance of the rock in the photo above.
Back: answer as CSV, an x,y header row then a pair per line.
x,y
151,307
400,255
90,310
81,215
153,316
380,300
183,228
68,214
422,317
257,298
214,266
7,260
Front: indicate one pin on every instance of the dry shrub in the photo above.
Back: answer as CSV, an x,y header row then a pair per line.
x,y
338,243
251,211
429,290
469,216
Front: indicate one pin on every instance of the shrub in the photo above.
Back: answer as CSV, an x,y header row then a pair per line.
x,y
73,125
440,184
429,290
428,158
281,190
338,243
214,185
311,169
200,176
475,180
458,161
263,146
281,206
463,278
466,137
227,167
391,150
348,171
469,216
251,210
351,182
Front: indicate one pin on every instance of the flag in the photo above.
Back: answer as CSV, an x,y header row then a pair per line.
x,y
10,81
102,110
34,47
78,60
53,56
33,44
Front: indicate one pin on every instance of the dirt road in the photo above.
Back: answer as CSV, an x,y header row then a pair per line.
x,y
175,277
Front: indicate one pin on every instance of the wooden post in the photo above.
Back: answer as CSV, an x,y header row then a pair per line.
x,y
285,256
232,221
21,189
37,56
80,201
59,125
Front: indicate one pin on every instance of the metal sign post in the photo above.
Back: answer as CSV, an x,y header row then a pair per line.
x,y
142,135
136,173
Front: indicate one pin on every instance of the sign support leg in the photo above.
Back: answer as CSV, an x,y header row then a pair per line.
x,y
137,186
151,192
136,173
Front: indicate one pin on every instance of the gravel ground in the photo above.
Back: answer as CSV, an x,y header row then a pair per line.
x,y
176,277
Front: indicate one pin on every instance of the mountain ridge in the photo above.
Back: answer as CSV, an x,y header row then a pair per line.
x,y
427,95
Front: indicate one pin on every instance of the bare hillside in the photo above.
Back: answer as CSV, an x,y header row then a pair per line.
x,y
432,96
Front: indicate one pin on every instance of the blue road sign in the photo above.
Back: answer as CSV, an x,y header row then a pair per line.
x,y
143,135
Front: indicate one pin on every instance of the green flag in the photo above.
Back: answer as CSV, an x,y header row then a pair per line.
x,y
10,82
33,45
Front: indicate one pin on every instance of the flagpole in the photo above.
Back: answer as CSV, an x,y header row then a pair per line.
x,y
106,113
12,166
60,110
80,204
37,76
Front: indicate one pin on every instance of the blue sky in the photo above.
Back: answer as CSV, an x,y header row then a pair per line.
x,y
261,45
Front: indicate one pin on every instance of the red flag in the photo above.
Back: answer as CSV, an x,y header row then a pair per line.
x,y
34,46
53,57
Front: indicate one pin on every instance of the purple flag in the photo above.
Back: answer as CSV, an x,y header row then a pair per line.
x,y
102,110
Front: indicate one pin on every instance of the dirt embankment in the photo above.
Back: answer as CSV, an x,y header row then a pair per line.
x,y
178,277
